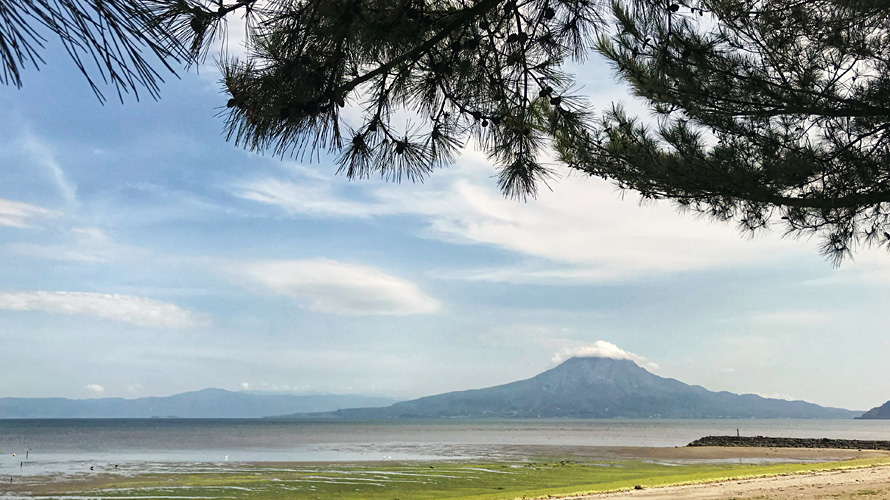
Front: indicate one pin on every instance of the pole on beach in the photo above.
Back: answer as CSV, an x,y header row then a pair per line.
x,y
737,433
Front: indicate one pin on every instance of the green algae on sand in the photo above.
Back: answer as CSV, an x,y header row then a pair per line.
x,y
410,481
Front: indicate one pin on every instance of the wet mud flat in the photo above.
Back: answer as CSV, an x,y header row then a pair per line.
x,y
580,471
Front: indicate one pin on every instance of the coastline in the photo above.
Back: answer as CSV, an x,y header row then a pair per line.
x,y
561,471
838,484
691,454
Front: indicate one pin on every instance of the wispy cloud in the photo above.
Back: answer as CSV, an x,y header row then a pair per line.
x,y
42,154
86,244
870,266
602,349
123,308
334,287
18,214
584,232
581,230
306,198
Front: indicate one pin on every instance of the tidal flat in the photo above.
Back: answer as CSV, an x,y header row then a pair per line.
x,y
390,480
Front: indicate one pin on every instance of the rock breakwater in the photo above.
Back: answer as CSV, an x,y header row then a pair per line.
x,y
782,442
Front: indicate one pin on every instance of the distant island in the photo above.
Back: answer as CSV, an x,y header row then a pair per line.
x,y
592,387
206,403
585,387
879,412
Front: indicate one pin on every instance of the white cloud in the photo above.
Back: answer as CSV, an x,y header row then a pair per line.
x,y
245,386
305,198
869,266
18,214
584,232
580,231
334,287
95,388
123,308
86,244
602,349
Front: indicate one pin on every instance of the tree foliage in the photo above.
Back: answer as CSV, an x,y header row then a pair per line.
x,y
768,108
486,70
768,111
117,42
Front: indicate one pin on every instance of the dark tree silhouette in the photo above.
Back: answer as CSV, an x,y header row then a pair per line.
x,y
117,42
768,110
487,70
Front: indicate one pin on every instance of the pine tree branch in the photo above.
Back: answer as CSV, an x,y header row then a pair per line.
x,y
460,19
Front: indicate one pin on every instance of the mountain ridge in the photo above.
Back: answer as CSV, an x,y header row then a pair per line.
x,y
877,413
203,403
589,387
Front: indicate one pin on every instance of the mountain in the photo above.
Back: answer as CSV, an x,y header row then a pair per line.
x,y
207,403
595,388
878,412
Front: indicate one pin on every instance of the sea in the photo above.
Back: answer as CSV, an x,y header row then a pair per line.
x,y
35,447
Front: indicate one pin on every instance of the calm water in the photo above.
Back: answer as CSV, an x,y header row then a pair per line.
x,y
61,446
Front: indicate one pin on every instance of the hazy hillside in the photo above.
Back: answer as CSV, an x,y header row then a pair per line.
x,y
207,403
878,412
596,388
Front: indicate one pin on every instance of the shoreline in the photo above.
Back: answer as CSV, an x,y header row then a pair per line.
x,y
554,472
844,482
839,483
697,453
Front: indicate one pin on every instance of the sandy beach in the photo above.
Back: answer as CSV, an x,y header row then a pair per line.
x,y
873,482
868,482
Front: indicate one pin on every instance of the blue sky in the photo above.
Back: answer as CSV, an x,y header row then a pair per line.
x,y
144,255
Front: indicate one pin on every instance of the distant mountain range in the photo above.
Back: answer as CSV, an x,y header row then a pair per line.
x,y
879,412
578,388
594,388
207,403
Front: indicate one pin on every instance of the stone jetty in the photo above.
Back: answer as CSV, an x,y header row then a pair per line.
x,y
782,442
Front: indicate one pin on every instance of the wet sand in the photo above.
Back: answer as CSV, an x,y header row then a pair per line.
x,y
839,484
844,484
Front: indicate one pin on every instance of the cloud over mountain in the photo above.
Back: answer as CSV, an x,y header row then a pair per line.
x,y
95,388
601,349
